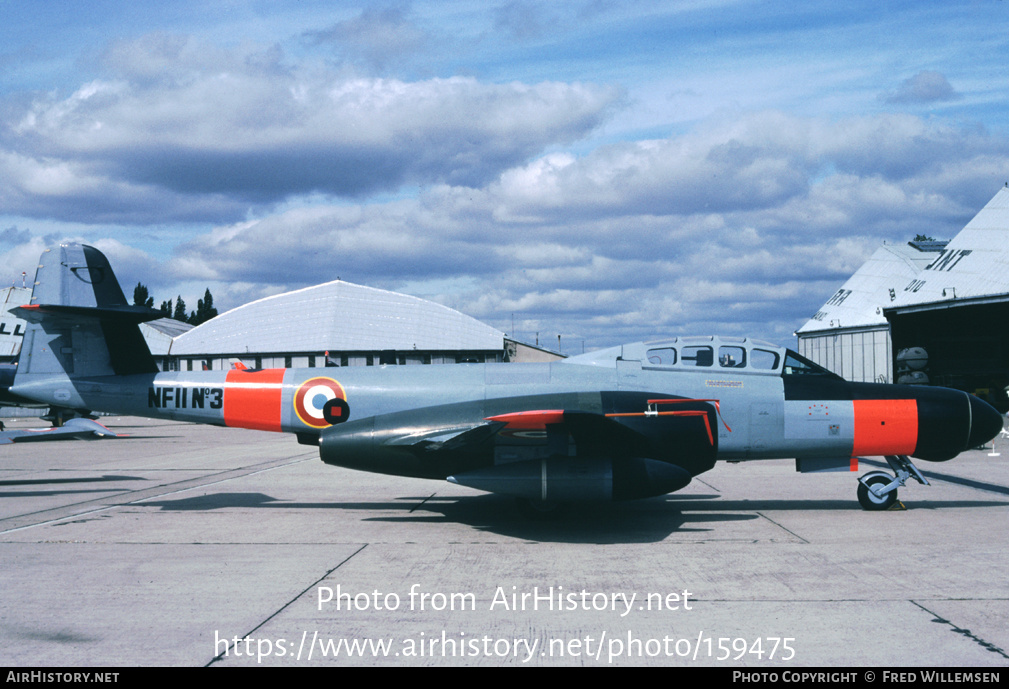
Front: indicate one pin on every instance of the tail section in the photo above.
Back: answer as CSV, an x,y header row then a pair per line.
x,y
79,322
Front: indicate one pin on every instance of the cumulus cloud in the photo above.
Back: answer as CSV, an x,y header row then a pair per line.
x,y
924,87
758,162
250,132
74,191
749,223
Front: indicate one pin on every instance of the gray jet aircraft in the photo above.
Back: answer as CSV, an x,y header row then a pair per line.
x,y
632,421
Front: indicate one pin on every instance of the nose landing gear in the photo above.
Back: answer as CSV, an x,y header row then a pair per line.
x,y
877,490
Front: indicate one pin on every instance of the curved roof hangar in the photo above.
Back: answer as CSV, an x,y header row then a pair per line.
x,y
339,316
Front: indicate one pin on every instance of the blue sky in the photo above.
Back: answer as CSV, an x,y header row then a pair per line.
x,y
605,171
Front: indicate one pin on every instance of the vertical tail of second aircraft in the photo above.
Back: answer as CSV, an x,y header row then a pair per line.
x,y
79,322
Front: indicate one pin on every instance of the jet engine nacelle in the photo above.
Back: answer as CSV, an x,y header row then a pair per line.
x,y
563,479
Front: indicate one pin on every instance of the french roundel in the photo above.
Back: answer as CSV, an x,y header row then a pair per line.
x,y
311,398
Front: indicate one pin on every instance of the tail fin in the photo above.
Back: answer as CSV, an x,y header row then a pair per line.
x,y
79,323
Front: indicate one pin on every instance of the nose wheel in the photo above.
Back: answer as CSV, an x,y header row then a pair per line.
x,y
877,490
871,495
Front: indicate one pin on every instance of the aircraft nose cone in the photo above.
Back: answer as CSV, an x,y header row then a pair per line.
x,y
985,424
952,421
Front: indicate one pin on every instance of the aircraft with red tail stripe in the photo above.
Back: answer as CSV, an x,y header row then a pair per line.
x,y
632,421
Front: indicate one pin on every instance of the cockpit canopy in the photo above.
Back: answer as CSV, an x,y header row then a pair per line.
x,y
713,353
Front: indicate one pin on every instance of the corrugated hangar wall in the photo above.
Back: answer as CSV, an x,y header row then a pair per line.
x,y
861,356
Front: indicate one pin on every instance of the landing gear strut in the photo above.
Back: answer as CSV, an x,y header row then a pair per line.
x,y
877,490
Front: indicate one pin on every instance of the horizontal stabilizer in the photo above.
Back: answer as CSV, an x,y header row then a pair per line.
x,y
38,313
74,428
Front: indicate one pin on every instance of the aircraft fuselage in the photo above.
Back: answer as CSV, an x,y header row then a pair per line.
x,y
625,422
383,415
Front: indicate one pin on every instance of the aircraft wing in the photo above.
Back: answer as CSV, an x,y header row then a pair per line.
x,y
74,428
630,445
649,431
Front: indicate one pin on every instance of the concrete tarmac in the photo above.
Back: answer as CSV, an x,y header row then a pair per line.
x,y
193,545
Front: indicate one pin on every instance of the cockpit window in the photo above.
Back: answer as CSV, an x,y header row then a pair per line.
x,y
697,356
731,357
666,356
796,365
764,360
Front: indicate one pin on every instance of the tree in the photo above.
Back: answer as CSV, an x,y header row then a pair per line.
x,y
204,309
166,308
141,296
179,313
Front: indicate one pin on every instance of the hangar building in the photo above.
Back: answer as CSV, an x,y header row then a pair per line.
x,y
950,299
344,324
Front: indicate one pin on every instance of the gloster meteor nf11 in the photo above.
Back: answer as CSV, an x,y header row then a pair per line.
x,y
627,422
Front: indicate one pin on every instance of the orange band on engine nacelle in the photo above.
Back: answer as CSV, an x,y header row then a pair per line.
x,y
252,399
885,427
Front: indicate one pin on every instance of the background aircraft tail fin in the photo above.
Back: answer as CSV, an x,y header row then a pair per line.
x,y
79,322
